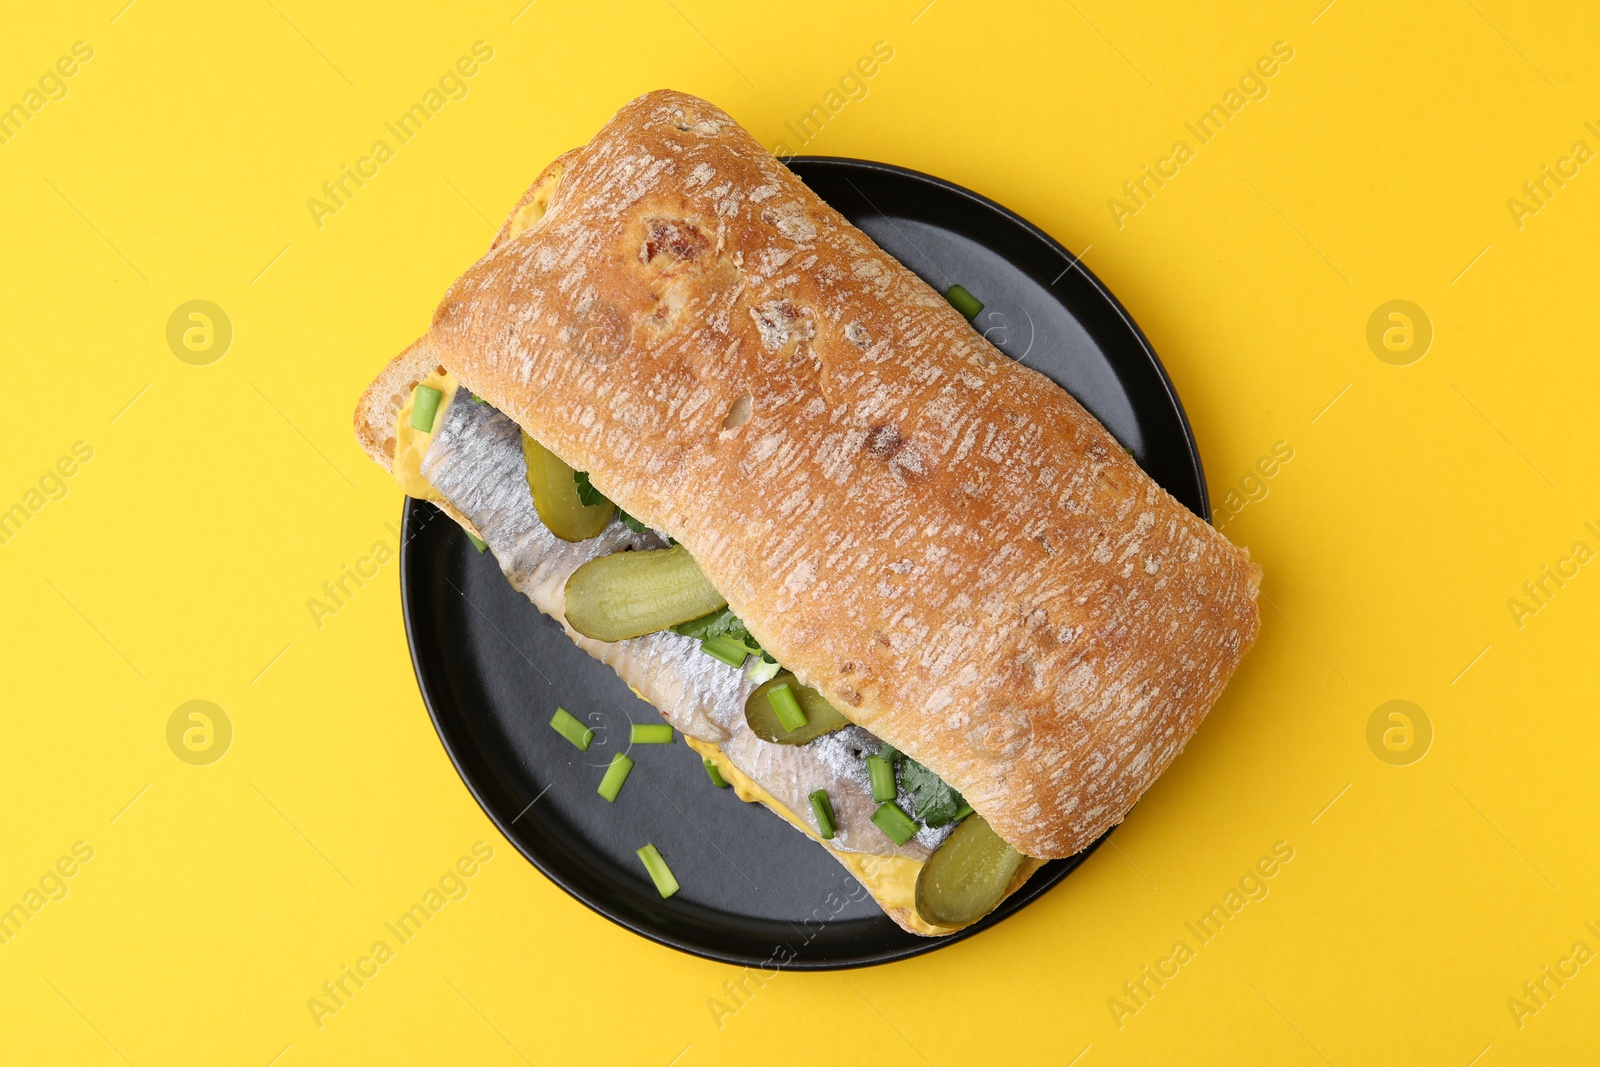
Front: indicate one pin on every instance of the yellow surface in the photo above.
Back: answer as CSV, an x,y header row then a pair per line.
x,y
176,562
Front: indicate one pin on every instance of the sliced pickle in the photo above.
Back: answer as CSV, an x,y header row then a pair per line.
x,y
821,717
629,594
555,496
967,875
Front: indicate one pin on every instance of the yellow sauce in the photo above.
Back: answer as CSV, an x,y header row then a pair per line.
x,y
892,880
411,444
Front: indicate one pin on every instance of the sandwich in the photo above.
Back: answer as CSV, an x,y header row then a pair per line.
x,y
885,580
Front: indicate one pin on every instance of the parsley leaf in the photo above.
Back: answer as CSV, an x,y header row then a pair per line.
x,y
720,623
630,522
723,623
588,495
933,801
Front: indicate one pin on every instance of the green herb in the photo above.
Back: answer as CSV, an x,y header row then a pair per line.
x,y
714,774
895,824
424,407
888,751
650,734
787,705
588,495
723,636
616,774
963,301
660,873
478,400
934,802
563,723
966,809
881,773
724,648
822,808
720,622
630,522
763,670
477,542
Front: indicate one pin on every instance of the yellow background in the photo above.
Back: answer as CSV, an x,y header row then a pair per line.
x,y
179,563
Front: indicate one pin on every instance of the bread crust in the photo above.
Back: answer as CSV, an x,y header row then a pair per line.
x,y
941,540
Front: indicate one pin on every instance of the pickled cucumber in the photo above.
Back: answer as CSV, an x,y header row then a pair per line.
x,y
967,875
555,496
821,716
629,594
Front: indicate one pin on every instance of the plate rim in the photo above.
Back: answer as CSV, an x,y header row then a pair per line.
x,y
451,735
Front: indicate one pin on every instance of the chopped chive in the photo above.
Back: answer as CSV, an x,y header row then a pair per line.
x,y
726,649
616,774
962,812
424,407
763,670
651,733
822,808
563,723
478,400
881,772
963,301
477,542
715,774
787,705
895,824
660,873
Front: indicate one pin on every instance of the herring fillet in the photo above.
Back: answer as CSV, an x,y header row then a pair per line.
x,y
476,462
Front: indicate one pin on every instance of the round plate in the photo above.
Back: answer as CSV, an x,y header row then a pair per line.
x,y
492,669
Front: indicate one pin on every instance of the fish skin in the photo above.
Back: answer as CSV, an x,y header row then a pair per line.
x,y
476,463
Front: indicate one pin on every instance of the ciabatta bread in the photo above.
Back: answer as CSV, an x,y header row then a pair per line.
x,y
942,541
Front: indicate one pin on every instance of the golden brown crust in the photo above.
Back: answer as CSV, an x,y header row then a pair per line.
x,y
943,541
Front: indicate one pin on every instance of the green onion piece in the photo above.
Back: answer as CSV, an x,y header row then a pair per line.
x,y
477,542
660,873
763,670
424,407
881,771
822,808
616,774
651,734
726,649
787,705
895,824
563,723
714,774
962,812
964,301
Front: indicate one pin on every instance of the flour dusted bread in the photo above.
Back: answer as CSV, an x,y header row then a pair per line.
x,y
939,539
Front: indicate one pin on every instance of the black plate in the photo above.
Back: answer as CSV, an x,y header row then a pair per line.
x,y
492,668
